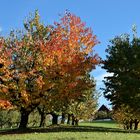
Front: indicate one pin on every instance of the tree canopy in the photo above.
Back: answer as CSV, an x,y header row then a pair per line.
x,y
123,87
47,65
123,62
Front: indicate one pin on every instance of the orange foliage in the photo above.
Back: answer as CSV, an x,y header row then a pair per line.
x,y
4,104
60,63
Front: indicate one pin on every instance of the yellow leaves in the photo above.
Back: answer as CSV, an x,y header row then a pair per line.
x,y
24,96
49,62
23,93
40,82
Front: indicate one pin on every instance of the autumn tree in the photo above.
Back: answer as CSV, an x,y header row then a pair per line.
x,y
72,44
83,109
46,65
127,117
22,68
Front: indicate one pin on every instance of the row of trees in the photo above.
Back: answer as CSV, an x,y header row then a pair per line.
x,y
48,68
123,87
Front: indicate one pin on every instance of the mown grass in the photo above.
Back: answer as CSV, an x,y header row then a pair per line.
x,y
106,124
72,136
85,131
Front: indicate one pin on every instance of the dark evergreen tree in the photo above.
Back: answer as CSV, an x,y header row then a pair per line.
x,y
123,61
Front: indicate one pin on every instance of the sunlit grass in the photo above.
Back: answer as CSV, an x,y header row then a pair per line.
x,y
108,124
72,136
85,131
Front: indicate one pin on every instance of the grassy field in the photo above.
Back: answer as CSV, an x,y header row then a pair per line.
x,y
85,131
106,124
72,136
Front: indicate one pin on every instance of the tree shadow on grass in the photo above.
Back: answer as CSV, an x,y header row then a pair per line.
x,y
64,128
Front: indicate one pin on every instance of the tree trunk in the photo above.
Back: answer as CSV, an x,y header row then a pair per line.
x,y
54,119
136,122
43,116
73,120
63,118
24,118
127,126
76,122
131,123
68,121
42,121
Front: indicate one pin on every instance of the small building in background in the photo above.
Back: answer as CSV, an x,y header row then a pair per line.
x,y
103,113
104,108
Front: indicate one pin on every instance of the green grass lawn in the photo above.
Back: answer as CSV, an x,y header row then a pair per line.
x,y
106,124
72,136
85,131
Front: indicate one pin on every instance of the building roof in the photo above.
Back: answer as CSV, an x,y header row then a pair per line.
x,y
103,108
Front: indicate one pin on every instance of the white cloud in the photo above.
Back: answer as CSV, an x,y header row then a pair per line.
x,y
99,84
101,77
99,74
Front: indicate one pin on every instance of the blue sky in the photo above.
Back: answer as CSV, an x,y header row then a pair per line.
x,y
107,18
